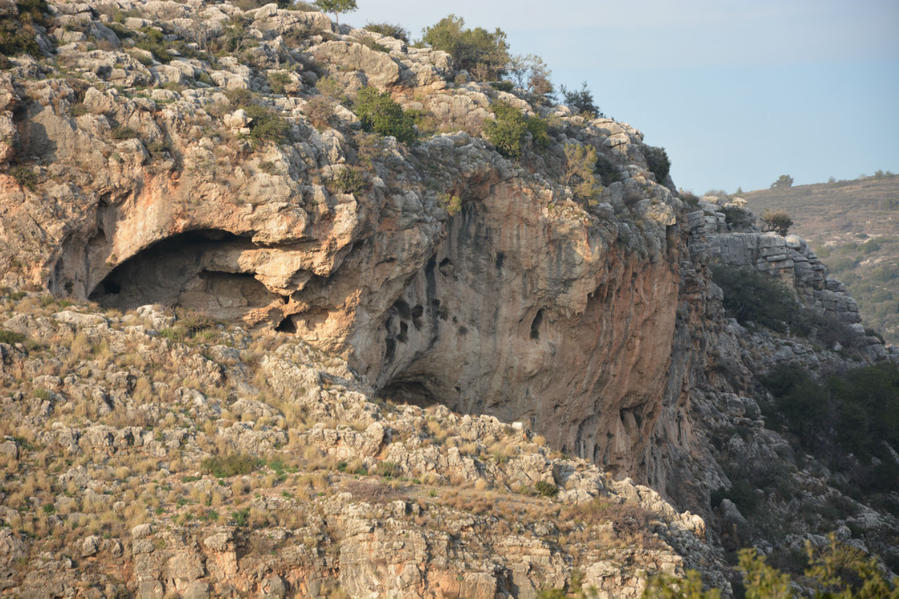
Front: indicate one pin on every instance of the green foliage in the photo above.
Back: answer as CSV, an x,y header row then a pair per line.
x,y
689,198
120,133
266,125
761,580
531,74
348,180
546,489
17,33
379,113
738,218
580,101
752,296
452,203
835,571
388,470
657,160
778,221
10,337
241,517
855,412
153,41
608,172
783,182
336,7
389,29
481,53
581,159
278,81
230,465
24,176
507,130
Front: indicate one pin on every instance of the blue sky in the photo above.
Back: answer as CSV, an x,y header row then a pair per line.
x,y
737,92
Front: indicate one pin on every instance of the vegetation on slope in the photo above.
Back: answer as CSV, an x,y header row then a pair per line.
x,y
853,226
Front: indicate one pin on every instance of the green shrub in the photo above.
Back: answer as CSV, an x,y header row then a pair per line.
x,y
855,412
230,465
266,125
153,41
738,218
503,86
241,517
120,133
580,161
388,470
608,172
507,130
17,33
370,43
752,296
389,29
689,198
24,176
546,489
836,570
778,221
657,160
452,203
348,180
481,53
581,101
278,81
379,113
10,337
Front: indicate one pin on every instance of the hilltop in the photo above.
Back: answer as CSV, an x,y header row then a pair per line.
x,y
854,228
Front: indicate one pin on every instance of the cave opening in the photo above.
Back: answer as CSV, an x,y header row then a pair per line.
x,y
411,391
196,270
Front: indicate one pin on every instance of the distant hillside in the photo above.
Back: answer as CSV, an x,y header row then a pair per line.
x,y
854,227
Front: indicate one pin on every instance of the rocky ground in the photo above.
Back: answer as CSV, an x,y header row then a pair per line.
x,y
157,455
250,347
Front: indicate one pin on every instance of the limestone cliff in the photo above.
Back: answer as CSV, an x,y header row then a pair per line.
x,y
203,158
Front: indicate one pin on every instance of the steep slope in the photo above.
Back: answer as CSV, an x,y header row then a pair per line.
x,y
854,228
217,271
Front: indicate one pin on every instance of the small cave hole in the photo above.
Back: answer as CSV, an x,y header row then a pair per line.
x,y
287,325
404,333
446,267
402,308
535,324
500,260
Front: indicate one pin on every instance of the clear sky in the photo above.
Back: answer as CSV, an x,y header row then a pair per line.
x,y
738,92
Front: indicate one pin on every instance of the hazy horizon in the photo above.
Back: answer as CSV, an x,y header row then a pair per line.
x,y
737,93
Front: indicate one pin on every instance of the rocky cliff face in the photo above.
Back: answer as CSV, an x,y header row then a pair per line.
x,y
195,170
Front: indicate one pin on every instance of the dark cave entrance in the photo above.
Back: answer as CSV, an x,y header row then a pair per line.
x,y
197,270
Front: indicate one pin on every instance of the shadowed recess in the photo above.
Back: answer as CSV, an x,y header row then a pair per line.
x,y
196,270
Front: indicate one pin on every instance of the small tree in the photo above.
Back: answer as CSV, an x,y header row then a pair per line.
x,y
580,100
579,174
337,7
778,221
483,54
783,182
658,162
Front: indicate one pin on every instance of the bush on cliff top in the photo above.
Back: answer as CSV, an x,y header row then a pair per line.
x,y
481,53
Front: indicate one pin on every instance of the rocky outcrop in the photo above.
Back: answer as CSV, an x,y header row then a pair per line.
x,y
426,351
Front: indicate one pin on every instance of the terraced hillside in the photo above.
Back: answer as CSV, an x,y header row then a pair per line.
x,y
854,227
